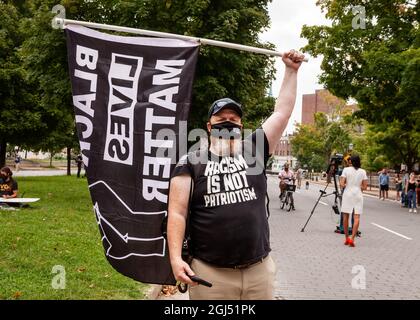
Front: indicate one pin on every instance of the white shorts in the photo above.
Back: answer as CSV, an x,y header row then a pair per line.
x,y
352,202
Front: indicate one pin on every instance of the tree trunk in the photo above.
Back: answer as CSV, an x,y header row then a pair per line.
x,y
68,161
3,145
51,157
410,166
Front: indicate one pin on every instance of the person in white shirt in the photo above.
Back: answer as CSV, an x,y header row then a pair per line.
x,y
353,179
286,176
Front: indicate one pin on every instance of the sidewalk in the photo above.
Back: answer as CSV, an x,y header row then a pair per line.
x,y
44,172
371,191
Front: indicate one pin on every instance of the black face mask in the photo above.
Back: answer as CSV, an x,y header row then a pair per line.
x,y
226,130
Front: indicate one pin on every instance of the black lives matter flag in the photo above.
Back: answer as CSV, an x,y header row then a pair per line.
x,y
131,99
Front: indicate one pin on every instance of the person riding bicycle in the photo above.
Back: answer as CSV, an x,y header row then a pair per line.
x,y
286,177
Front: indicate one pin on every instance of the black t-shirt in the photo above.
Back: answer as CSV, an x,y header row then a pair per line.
x,y
228,222
6,188
411,186
79,161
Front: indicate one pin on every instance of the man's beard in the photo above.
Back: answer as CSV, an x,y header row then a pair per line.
x,y
226,147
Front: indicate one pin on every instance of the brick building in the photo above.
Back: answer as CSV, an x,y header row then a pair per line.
x,y
320,101
323,101
282,154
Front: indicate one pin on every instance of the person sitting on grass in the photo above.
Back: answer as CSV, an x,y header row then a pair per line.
x,y
8,186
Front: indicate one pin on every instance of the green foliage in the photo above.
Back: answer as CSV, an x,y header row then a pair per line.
x,y
20,115
378,66
306,144
221,72
254,117
314,144
45,55
392,140
60,229
39,60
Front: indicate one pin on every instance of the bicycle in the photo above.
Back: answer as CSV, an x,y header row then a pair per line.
x,y
286,198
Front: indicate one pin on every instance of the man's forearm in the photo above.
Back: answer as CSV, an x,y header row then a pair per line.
x,y
287,95
176,232
277,122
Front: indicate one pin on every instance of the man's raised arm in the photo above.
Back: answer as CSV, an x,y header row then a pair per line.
x,y
277,122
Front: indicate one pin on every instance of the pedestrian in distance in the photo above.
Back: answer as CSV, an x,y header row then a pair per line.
x,y
418,191
18,160
404,181
383,184
410,190
299,177
79,162
228,226
398,187
353,180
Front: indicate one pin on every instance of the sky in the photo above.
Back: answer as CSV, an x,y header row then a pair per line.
x,y
287,20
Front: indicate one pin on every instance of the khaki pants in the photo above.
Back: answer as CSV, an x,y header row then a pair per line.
x,y
253,283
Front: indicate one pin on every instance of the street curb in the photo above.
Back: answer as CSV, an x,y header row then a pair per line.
x,y
153,291
368,193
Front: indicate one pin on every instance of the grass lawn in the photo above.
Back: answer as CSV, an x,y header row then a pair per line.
x,y
60,229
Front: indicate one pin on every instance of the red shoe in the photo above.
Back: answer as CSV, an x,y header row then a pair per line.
x,y
347,242
351,243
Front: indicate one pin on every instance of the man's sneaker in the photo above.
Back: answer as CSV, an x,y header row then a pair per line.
x,y
351,243
347,242
410,210
415,211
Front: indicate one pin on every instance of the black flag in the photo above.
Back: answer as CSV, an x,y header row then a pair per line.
x,y
131,99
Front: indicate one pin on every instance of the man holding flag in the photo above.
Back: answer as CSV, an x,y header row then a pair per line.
x,y
228,222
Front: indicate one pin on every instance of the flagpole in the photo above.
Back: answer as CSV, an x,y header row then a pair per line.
x,y
63,22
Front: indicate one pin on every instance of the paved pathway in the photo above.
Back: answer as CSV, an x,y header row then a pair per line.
x,y
44,173
385,264
315,264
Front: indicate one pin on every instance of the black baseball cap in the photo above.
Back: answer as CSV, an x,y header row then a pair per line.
x,y
225,103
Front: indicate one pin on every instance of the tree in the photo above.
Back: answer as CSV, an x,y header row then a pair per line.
x,y
379,66
306,143
388,139
314,144
220,72
45,58
21,118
